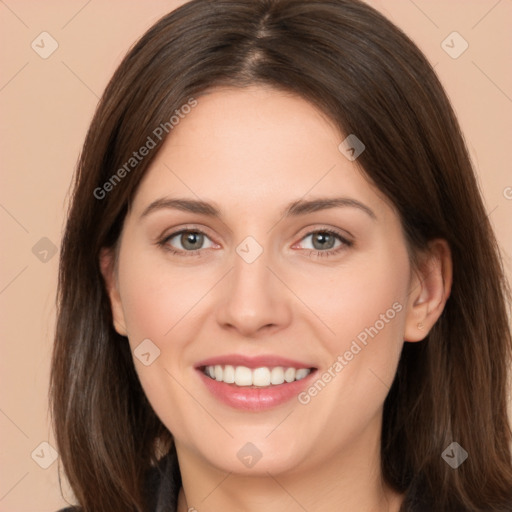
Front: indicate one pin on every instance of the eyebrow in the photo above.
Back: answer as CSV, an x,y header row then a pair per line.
x,y
294,209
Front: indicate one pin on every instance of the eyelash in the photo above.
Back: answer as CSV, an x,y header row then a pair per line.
x,y
163,243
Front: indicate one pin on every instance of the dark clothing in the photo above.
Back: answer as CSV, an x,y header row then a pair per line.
x,y
163,483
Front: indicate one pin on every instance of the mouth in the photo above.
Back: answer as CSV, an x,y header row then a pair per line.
x,y
264,376
254,384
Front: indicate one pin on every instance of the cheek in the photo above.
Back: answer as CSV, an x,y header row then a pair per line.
x,y
158,299
363,305
159,305
361,300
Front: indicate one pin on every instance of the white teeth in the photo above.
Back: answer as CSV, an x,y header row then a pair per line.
x,y
259,377
229,374
243,376
289,374
277,375
300,374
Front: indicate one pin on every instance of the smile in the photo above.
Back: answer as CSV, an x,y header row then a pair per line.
x,y
254,383
264,376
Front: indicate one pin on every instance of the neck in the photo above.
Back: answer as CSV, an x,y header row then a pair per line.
x,y
350,480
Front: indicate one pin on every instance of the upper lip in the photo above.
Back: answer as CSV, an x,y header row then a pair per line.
x,y
253,362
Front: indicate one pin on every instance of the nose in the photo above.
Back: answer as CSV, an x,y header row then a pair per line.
x,y
254,301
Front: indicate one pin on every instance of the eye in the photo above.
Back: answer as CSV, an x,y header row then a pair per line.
x,y
325,242
321,240
186,241
190,242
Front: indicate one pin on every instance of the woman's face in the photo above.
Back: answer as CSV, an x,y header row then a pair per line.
x,y
290,259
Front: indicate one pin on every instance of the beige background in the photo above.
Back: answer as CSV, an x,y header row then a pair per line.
x,y
46,106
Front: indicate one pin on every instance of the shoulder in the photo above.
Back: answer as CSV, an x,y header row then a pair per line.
x,y
161,486
163,483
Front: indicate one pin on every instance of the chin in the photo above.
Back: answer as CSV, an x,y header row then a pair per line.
x,y
256,455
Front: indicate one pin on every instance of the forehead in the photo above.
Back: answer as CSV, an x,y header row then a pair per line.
x,y
254,148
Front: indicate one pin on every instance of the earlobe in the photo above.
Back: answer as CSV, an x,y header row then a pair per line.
x,y
429,290
107,266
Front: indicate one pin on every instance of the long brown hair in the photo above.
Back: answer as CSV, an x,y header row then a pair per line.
x,y
370,79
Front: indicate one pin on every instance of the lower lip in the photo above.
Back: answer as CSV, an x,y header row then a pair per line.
x,y
252,398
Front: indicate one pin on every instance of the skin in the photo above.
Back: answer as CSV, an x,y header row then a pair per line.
x,y
251,152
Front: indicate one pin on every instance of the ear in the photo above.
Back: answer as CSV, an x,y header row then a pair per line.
x,y
429,290
108,270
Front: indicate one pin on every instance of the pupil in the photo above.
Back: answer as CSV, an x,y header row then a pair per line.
x,y
189,239
323,238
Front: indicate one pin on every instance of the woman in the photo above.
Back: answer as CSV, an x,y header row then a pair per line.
x,y
279,289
